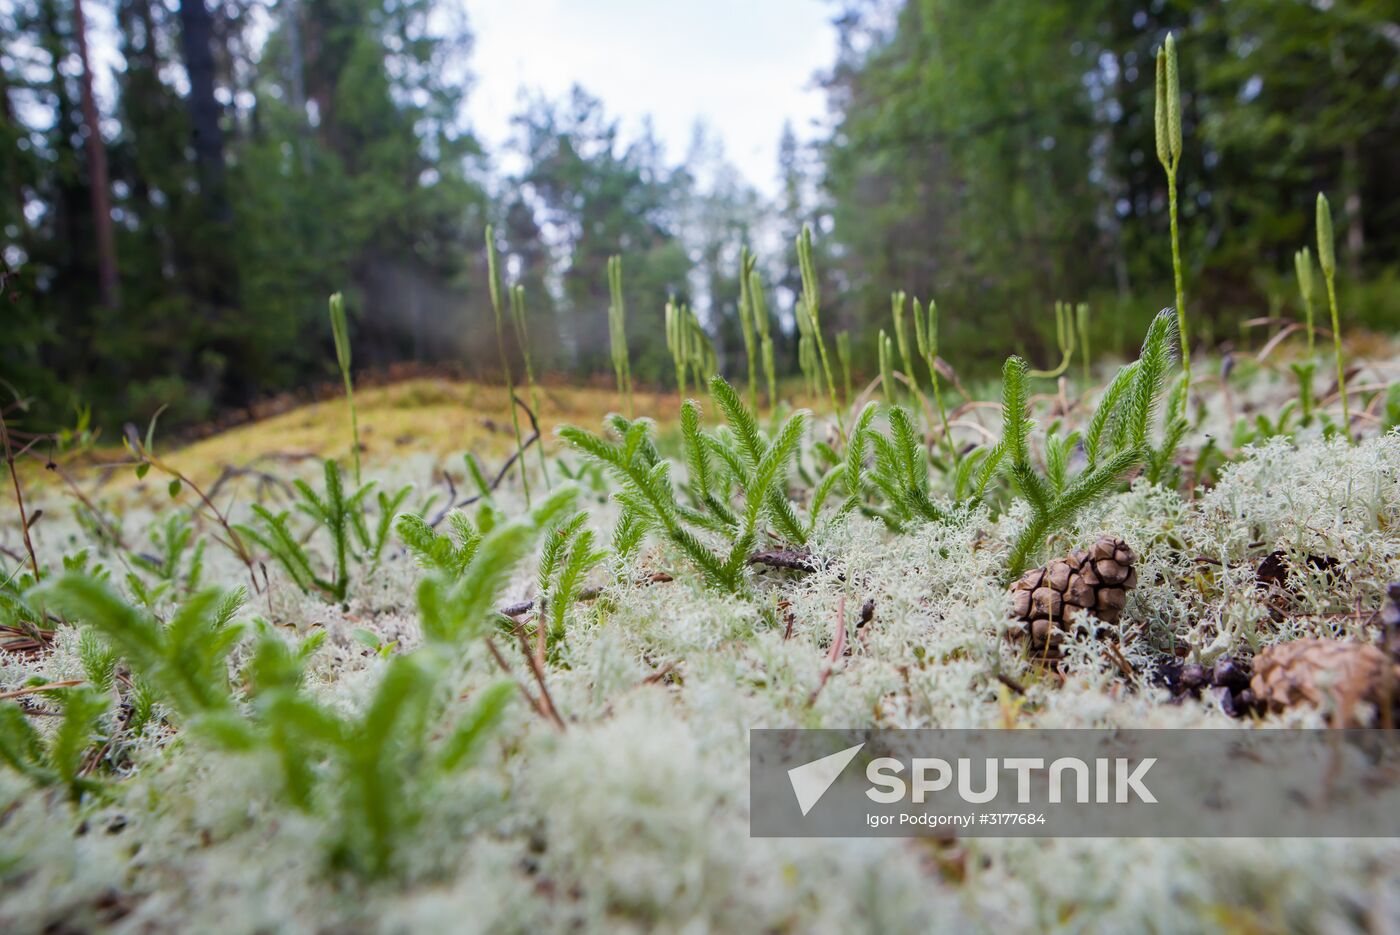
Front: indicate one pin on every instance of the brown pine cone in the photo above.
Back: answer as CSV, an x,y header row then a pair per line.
x,y
1318,672
1096,580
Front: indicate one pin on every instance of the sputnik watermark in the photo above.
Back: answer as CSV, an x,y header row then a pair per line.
x,y
1231,783
1115,780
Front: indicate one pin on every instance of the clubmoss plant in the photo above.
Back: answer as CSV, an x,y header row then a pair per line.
x,y
1081,321
493,276
1327,259
617,333
345,522
57,759
179,555
340,330
926,338
649,499
843,357
1115,441
809,306
747,262
900,473
1168,132
1064,340
569,554
887,383
1303,267
765,338
1305,369
901,342
691,351
369,774
184,659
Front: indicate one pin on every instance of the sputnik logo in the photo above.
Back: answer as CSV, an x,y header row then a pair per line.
x,y
811,780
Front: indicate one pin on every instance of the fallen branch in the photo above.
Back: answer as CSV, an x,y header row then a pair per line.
x,y
792,559
24,521
505,468
521,608
35,689
1011,683
505,667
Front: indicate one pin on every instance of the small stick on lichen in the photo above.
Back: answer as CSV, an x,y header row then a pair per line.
x,y
838,648
35,689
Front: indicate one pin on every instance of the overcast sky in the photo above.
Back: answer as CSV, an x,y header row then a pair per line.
x,y
742,66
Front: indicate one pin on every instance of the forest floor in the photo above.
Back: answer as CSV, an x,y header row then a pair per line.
x,y
634,815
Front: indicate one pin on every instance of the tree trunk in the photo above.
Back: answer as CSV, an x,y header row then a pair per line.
x,y
97,172
196,37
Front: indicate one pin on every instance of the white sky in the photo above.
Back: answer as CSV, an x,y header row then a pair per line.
x,y
742,66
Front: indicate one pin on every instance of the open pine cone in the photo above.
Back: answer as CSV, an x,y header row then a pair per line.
x,y
1096,580
1325,672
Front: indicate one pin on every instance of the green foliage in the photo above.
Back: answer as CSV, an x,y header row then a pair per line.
x,y
843,357
55,760
1390,414
747,325
1326,258
368,773
900,471
522,338
1303,268
18,609
455,599
765,338
926,342
617,331
340,331
1064,339
742,457
179,556
809,316
1115,441
184,660
344,521
691,350
493,274
569,554
887,383
1168,131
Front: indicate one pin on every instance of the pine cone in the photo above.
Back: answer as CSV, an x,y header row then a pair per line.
x,y
1096,580
1317,672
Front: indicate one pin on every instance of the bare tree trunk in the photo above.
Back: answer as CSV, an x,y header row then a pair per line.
x,y
107,283
196,37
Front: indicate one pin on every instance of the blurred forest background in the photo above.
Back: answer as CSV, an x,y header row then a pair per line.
x,y
178,247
